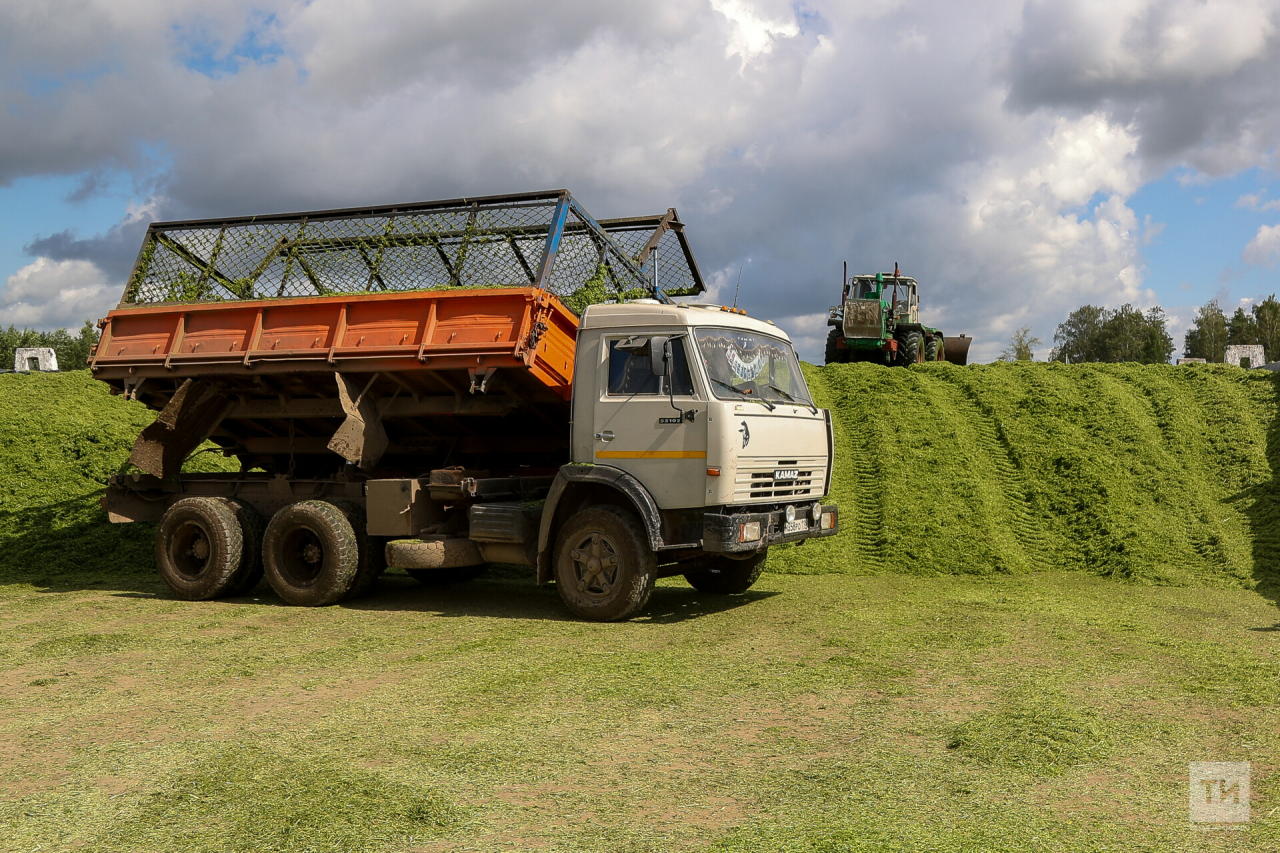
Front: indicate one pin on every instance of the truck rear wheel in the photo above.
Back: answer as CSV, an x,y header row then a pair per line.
x,y
603,565
199,547
311,553
931,350
722,575
251,528
373,559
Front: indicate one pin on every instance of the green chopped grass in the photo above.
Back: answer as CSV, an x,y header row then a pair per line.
x,y
1043,733
1053,590
1150,473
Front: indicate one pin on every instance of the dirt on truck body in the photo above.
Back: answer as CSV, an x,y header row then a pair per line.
x,y
436,386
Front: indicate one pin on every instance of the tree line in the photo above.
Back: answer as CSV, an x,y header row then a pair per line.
x,y
72,350
1212,331
1093,333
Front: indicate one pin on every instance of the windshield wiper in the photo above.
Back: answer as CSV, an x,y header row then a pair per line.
x,y
746,394
790,398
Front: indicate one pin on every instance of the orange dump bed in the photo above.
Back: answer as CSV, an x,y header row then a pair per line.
x,y
479,331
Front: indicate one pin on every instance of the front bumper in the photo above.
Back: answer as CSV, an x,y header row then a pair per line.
x,y
724,533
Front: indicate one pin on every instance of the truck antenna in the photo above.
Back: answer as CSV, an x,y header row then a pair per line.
x,y
735,288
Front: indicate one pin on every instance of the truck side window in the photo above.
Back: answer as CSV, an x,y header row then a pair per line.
x,y
629,372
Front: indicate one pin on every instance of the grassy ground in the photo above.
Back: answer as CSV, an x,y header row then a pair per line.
x,y
1054,591
1047,711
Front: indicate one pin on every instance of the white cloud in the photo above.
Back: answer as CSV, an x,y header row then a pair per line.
x,y
1264,248
1256,201
753,34
48,294
993,154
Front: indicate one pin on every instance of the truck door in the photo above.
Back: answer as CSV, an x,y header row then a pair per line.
x,y
637,430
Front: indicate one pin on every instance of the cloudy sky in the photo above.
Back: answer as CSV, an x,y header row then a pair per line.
x,y
1018,158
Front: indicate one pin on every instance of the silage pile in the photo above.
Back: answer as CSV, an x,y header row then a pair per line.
x,y
1152,473
61,435
1149,472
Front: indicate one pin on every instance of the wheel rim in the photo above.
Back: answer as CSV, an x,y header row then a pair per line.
x,y
302,557
595,565
190,549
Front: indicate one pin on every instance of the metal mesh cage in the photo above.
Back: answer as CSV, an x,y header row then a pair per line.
x,y
541,239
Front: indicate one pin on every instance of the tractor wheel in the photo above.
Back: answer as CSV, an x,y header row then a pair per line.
x,y
604,567
198,548
727,576
835,355
909,348
931,350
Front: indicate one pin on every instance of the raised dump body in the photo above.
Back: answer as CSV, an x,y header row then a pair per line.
x,y
400,338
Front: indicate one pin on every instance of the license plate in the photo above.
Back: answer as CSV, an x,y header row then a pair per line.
x,y
786,473
797,526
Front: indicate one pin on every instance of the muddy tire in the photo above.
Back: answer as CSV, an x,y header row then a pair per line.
x,y
373,560
933,350
198,548
251,529
726,576
834,354
311,553
603,565
445,577
909,348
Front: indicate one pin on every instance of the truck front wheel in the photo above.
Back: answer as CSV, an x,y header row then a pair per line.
x,y
603,565
199,547
311,553
726,576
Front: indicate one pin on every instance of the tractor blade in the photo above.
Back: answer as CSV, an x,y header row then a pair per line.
x,y
956,350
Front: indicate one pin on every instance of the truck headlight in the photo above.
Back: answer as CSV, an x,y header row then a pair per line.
x,y
790,513
815,512
749,532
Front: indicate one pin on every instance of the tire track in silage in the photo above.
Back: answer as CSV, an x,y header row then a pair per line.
x,y
859,470
993,442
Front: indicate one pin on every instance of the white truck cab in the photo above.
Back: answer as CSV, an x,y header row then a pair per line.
x,y
732,423
700,417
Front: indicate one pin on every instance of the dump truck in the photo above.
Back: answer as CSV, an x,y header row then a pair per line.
x,y
878,320
439,386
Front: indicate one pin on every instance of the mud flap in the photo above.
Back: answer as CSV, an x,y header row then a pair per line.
x,y
189,418
956,350
361,439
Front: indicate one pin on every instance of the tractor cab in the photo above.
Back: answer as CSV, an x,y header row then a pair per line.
x,y
906,302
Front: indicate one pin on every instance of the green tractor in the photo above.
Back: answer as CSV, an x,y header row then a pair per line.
x,y
878,320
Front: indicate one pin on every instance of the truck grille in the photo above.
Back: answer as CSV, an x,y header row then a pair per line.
x,y
862,319
756,478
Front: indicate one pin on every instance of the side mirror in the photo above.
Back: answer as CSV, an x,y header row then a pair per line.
x,y
659,363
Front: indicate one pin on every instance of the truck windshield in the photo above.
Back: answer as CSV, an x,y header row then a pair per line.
x,y
753,364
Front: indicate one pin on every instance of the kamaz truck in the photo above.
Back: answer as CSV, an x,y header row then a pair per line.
x,y
439,386
878,320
